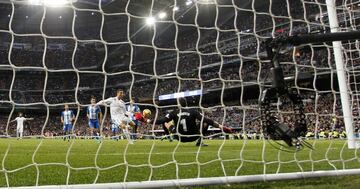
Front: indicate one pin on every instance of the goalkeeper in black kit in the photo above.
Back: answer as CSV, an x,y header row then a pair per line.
x,y
185,128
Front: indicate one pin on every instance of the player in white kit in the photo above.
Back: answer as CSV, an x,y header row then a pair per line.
x,y
118,113
20,125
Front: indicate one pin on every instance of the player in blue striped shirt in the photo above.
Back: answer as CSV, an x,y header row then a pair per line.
x,y
132,108
94,115
67,117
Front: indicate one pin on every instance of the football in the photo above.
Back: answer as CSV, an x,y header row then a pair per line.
x,y
146,113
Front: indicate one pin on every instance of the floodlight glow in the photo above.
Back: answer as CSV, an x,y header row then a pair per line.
x,y
51,3
162,15
150,21
176,8
189,2
35,2
206,1
55,3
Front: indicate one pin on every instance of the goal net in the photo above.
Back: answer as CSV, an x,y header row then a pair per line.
x,y
212,52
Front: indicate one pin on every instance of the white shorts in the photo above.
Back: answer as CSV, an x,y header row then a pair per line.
x,y
19,129
116,122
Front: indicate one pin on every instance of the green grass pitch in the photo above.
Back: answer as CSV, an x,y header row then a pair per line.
x,y
58,162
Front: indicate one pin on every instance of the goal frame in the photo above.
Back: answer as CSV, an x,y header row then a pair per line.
x,y
335,37
207,181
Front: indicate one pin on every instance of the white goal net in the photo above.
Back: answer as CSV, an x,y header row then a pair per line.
x,y
212,52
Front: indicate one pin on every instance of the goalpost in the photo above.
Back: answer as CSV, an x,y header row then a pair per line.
x,y
211,51
348,118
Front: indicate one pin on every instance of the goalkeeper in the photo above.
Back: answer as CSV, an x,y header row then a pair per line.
x,y
185,128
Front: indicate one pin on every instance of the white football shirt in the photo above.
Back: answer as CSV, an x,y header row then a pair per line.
x,y
20,123
117,107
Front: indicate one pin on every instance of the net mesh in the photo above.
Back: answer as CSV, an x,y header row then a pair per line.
x,y
51,56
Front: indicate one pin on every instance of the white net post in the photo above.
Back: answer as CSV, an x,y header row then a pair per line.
x,y
340,70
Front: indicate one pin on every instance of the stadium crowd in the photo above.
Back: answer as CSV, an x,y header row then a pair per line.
x,y
29,85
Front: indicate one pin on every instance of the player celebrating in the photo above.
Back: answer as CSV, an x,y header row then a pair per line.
x,y
20,125
133,109
185,124
118,113
67,117
94,115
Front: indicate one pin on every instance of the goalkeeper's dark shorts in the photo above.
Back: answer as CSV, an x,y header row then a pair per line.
x,y
191,135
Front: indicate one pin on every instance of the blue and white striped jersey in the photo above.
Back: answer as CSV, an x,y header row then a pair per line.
x,y
67,115
93,111
132,108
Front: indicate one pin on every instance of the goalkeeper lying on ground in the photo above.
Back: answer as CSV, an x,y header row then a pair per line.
x,y
185,128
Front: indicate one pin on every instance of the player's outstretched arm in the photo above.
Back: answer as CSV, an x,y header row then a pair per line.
x,y
213,123
13,120
207,120
170,116
106,101
62,119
